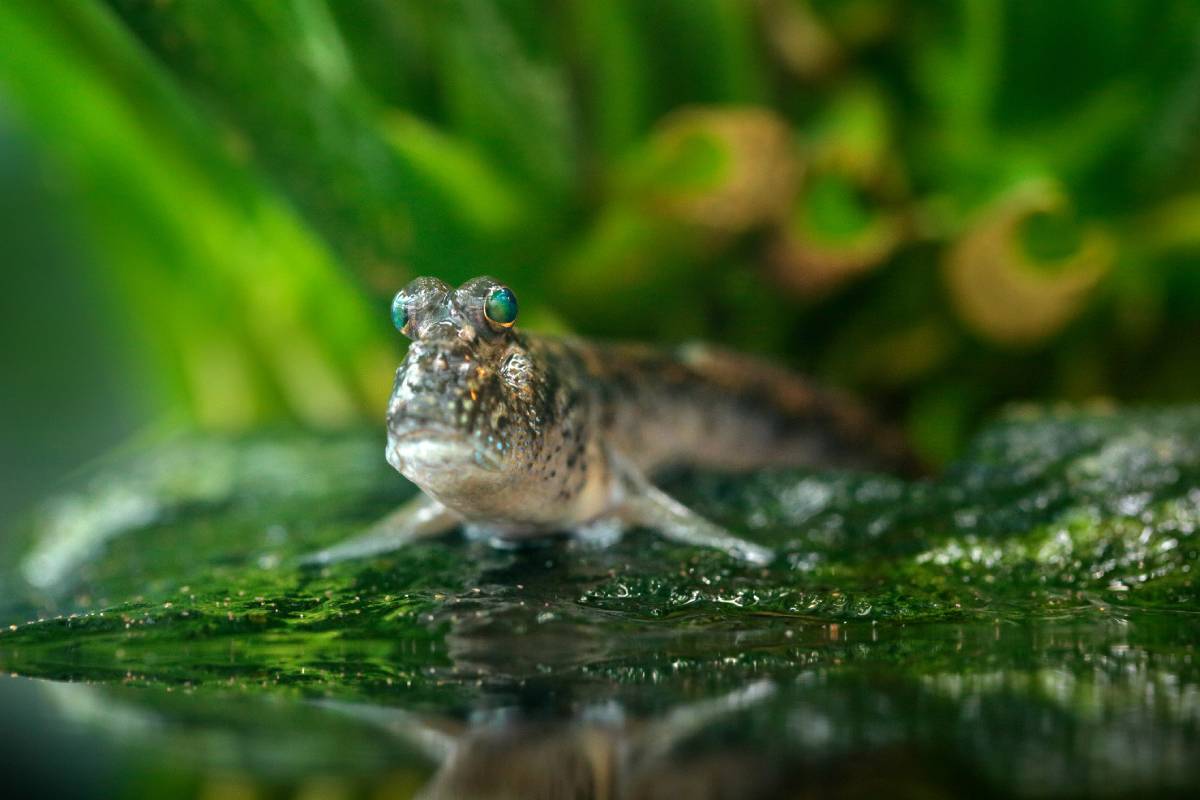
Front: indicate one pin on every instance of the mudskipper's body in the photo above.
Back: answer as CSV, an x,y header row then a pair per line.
x,y
516,435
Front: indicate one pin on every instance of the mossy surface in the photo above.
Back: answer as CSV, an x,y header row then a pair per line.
x,y
1025,623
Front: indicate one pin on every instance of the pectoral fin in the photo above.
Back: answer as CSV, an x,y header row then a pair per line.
x,y
646,505
420,518
666,732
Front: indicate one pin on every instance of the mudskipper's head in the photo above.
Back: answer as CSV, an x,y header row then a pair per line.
x,y
464,411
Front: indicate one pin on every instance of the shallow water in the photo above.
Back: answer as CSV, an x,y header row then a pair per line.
x,y
1025,625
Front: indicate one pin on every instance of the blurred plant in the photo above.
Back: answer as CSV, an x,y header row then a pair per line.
x,y
724,171
948,205
1020,273
848,218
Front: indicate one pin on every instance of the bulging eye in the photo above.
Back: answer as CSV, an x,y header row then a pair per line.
x,y
500,307
400,312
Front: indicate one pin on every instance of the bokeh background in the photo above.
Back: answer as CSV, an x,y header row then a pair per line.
x,y
205,207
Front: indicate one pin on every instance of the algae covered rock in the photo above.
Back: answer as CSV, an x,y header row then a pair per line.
x,y
1044,513
1006,627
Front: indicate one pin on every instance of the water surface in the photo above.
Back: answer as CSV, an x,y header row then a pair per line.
x,y
1024,625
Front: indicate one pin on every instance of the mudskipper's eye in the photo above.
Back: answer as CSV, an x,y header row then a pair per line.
x,y
400,312
500,307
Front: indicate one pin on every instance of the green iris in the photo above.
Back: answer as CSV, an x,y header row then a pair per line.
x,y
501,307
399,312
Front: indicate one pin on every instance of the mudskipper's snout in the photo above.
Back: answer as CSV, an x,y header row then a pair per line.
x,y
438,401
434,388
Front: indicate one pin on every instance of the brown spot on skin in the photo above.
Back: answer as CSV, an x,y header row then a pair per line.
x,y
538,398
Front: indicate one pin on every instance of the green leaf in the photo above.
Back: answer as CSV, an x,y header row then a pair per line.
x,y
509,105
314,129
612,59
245,312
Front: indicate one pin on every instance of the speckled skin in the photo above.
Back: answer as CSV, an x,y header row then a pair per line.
x,y
523,434
514,435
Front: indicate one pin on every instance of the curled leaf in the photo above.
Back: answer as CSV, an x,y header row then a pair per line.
x,y
1007,293
723,169
799,39
835,232
846,219
812,43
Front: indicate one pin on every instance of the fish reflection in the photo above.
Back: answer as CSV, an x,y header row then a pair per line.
x,y
600,754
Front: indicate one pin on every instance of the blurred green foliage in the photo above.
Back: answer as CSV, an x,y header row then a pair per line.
x,y
945,205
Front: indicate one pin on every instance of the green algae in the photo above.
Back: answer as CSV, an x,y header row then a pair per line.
x,y
1021,624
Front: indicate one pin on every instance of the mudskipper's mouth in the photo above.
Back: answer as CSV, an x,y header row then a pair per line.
x,y
425,432
434,448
